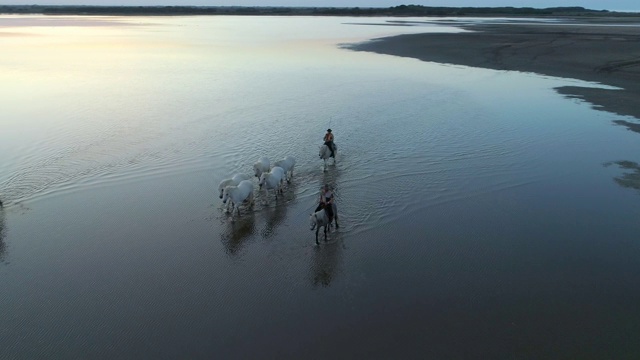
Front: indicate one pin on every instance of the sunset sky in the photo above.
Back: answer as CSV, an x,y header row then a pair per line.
x,y
620,5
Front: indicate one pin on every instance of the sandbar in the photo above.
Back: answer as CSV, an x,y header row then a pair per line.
x,y
605,51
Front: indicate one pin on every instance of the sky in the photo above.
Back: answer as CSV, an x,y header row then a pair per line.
x,y
614,5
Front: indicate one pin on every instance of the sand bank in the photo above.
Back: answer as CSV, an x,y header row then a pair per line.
x,y
605,52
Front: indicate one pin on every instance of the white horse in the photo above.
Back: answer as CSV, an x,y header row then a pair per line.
x,y
272,180
325,153
261,166
235,180
236,195
287,164
320,219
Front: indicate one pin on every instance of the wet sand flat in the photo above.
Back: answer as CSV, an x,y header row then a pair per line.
x,y
607,52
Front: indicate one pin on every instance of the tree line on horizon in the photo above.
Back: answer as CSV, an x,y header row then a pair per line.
x,y
401,10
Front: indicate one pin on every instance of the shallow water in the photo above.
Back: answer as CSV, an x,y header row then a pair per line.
x,y
480,212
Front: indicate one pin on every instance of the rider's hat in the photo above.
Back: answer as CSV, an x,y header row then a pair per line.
x,y
328,130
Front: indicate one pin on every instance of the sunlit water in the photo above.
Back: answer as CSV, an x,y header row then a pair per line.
x,y
478,218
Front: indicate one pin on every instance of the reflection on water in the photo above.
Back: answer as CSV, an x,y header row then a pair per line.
x,y
274,216
3,245
288,194
628,179
330,177
267,218
237,233
326,260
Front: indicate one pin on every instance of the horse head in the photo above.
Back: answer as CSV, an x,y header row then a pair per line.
x,y
323,150
223,184
225,195
263,179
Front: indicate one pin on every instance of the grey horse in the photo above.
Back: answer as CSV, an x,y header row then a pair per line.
x,y
320,219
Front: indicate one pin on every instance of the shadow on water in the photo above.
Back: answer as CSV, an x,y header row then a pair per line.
x,y
237,232
628,179
326,260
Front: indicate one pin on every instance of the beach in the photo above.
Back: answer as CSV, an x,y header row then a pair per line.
x,y
603,51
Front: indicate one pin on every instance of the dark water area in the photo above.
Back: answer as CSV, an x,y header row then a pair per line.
x,y
482,215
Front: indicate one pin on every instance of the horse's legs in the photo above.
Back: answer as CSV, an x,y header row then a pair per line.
x,y
232,210
317,230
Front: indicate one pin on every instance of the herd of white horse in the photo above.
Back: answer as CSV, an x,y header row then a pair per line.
x,y
239,189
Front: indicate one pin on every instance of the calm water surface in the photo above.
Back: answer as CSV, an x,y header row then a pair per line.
x,y
478,217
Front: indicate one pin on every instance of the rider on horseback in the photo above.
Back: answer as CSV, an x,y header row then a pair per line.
x,y
328,140
326,201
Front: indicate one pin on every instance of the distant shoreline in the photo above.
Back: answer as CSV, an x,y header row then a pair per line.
x,y
401,10
589,51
